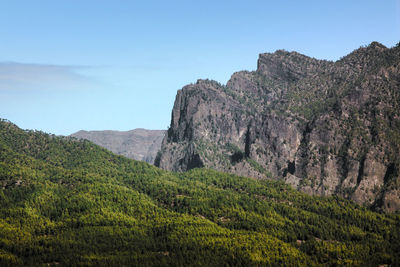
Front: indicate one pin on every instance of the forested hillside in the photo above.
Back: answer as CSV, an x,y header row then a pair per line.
x,y
70,202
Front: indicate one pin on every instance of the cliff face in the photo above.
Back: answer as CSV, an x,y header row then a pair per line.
x,y
324,127
139,144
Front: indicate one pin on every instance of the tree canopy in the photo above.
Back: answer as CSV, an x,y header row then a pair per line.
x,y
70,202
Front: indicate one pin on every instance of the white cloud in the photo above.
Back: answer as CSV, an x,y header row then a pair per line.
x,y
21,76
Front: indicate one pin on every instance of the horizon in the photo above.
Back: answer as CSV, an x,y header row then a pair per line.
x,y
71,66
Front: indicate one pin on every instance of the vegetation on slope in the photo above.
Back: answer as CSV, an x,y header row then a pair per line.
x,y
74,203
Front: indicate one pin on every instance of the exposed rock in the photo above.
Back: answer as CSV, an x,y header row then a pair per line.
x,y
324,127
139,144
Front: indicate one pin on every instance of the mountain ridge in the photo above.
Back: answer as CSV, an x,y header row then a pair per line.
x,y
139,143
325,127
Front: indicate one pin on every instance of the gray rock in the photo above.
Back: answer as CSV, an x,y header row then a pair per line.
x,y
326,128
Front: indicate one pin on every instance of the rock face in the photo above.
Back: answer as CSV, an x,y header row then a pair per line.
x,y
139,144
327,128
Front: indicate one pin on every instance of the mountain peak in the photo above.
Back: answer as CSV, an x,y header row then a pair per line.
x,y
375,45
288,66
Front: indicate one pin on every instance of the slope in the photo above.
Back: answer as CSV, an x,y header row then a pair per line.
x,y
72,202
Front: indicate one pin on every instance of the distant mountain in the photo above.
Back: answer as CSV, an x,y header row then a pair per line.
x,y
327,128
139,144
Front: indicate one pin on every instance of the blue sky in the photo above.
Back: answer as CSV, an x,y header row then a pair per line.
x,y
69,65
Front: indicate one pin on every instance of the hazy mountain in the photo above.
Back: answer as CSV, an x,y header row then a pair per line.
x,y
139,144
327,128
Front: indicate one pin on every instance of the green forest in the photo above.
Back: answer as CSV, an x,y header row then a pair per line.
x,y
69,202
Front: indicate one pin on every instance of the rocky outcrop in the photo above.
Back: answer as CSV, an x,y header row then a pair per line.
x,y
139,144
327,128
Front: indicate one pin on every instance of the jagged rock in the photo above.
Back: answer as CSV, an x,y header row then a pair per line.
x,y
139,144
324,127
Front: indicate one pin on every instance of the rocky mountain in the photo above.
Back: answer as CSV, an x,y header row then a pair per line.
x,y
326,128
139,144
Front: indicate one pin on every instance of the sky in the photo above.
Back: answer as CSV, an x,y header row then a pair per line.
x,y
71,65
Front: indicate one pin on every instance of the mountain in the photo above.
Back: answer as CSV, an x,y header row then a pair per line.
x,y
139,144
69,202
326,128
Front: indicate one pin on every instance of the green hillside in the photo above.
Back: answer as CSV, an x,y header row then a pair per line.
x,y
70,202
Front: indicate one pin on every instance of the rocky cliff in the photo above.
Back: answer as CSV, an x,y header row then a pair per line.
x,y
139,144
327,128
